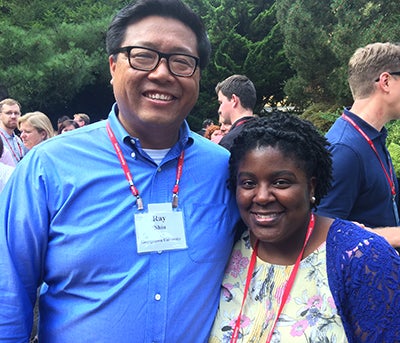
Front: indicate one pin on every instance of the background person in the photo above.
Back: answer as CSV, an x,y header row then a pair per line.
x,y
224,125
61,119
82,119
138,261
236,97
5,170
10,111
213,133
311,278
206,123
6,158
364,187
35,127
67,125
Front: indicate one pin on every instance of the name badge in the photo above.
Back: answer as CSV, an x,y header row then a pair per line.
x,y
160,229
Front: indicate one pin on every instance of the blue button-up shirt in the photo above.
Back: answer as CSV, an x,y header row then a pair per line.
x,y
67,219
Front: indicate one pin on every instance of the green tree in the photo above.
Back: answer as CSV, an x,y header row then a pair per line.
x,y
245,40
360,22
307,27
54,51
54,59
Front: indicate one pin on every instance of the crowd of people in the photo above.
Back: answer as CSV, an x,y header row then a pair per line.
x,y
21,132
255,229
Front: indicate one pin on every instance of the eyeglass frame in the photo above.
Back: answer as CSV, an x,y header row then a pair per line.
x,y
391,73
161,55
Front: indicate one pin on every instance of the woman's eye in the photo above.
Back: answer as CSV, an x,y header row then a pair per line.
x,y
282,183
247,183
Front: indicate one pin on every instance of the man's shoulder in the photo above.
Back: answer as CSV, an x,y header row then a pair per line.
x,y
342,133
84,138
206,147
237,128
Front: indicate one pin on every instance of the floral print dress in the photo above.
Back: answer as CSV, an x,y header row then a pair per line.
x,y
309,314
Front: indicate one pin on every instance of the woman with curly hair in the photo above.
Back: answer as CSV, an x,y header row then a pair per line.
x,y
295,276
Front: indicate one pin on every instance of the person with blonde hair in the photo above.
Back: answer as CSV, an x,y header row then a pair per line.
x,y
35,128
82,119
365,187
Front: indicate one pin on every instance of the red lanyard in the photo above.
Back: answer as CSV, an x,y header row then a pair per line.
x,y
371,144
288,286
128,175
17,158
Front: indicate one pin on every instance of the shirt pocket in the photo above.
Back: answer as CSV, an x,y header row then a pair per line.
x,y
209,232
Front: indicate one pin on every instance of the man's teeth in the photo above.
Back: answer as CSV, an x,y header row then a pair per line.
x,y
159,96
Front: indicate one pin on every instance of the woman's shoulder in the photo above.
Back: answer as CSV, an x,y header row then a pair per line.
x,y
348,243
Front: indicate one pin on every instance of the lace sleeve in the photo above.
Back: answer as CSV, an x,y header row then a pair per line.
x,y
365,281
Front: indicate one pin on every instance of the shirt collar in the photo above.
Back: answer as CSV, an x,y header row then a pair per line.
x,y
123,137
7,134
370,131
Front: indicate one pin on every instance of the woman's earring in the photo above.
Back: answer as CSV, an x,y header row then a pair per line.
x,y
313,200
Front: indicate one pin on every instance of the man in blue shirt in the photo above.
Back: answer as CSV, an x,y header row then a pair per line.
x,y
127,222
365,186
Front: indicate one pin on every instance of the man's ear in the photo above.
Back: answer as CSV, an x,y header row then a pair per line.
x,y
235,99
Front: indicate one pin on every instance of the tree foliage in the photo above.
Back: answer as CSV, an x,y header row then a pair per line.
x,y
53,54
53,51
320,37
307,27
55,57
245,40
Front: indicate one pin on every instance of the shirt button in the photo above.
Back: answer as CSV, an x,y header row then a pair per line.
x,y
133,141
133,154
157,297
159,169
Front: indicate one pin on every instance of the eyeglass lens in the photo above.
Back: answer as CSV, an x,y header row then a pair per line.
x,y
147,60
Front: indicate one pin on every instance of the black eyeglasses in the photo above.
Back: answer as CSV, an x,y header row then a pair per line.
x,y
147,59
391,73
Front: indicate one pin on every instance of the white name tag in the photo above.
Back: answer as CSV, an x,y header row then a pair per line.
x,y
160,229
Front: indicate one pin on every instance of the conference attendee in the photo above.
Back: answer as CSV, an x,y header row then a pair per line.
x,y
35,127
10,111
206,124
213,133
82,119
6,158
365,188
224,125
295,276
5,170
67,125
126,220
236,97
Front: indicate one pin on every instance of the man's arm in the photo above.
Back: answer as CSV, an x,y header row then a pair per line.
x,y
23,215
390,233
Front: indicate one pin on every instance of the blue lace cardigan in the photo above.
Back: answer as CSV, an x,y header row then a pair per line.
x,y
364,278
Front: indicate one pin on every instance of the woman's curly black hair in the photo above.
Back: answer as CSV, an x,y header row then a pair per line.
x,y
294,137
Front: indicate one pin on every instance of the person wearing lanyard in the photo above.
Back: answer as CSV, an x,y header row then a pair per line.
x,y
295,276
365,187
10,111
127,221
